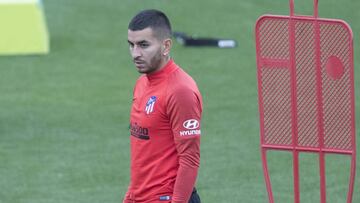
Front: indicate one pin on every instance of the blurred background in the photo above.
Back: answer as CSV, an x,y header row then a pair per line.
x,y
64,116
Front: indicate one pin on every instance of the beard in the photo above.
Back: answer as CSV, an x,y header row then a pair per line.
x,y
151,66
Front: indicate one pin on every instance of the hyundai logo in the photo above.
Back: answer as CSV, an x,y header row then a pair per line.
x,y
191,124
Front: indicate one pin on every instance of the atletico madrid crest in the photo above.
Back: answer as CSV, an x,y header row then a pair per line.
x,y
150,105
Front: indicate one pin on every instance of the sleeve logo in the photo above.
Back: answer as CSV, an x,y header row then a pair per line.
x,y
191,125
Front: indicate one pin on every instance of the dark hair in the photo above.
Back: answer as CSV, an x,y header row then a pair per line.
x,y
153,19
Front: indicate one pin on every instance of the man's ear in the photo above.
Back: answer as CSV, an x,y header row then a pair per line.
x,y
167,43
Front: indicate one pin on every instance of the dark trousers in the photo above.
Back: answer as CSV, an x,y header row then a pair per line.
x,y
194,198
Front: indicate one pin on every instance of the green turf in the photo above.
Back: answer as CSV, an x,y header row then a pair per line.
x,y
64,116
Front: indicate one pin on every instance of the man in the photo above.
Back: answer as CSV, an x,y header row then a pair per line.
x,y
164,120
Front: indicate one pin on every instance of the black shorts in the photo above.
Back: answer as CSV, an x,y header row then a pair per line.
x,y
194,198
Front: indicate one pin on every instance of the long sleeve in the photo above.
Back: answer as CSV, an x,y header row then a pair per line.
x,y
189,162
184,109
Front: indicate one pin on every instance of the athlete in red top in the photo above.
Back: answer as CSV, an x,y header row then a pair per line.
x,y
165,118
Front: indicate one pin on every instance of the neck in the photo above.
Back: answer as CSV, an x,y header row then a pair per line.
x,y
163,62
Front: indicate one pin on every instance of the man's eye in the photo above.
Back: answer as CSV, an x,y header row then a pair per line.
x,y
144,45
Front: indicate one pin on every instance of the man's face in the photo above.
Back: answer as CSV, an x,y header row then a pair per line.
x,y
146,50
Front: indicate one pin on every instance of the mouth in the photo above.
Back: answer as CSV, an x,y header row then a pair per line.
x,y
139,64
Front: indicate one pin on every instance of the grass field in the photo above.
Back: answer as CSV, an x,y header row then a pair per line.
x,y
64,116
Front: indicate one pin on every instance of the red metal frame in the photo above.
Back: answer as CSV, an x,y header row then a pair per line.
x,y
298,102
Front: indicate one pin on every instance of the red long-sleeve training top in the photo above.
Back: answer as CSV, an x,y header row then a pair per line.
x,y
165,137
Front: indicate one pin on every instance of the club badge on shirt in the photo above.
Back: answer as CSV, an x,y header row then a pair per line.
x,y
150,105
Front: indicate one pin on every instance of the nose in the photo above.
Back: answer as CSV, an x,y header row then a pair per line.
x,y
135,52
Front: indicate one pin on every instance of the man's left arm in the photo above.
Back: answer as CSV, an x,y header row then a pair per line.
x,y
185,108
